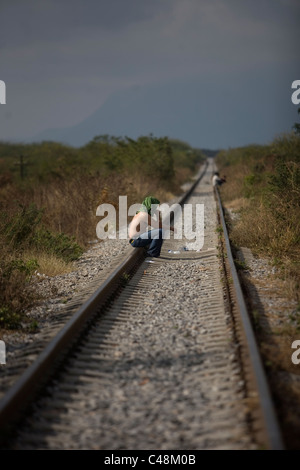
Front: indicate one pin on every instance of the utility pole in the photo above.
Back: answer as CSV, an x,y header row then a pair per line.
x,y
22,164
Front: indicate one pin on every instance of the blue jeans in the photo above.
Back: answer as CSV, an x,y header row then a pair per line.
x,y
153,239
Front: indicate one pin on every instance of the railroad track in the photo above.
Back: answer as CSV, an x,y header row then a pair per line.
x,y
161,356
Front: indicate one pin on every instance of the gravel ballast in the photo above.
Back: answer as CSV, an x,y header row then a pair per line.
x,y
160,369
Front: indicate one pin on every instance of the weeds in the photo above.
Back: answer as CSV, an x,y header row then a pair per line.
x,y
125,278
240,265
15,276
33,326
265,180
9,319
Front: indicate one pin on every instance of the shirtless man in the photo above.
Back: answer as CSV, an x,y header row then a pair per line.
x,y
138,233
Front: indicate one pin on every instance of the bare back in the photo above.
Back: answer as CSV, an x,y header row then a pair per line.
x,y
139,224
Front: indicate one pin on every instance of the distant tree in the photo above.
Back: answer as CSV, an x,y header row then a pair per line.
x,y
296,126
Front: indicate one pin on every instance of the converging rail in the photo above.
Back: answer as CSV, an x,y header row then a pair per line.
x,y
251,357
157,361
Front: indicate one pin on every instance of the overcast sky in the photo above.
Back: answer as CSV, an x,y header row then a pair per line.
x,y
62,59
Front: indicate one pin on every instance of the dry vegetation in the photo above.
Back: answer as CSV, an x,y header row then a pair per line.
x,y
263,186
48,210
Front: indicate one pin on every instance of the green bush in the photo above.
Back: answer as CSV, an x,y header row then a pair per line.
x,y
154,157
15,276
285,182
9,319
20,228
25,267
24,230
59,244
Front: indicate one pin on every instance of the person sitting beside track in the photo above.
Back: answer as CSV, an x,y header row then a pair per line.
x,y
144,218
217,181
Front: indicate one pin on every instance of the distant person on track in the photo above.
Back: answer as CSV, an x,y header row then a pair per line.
x,y
217,180
144,218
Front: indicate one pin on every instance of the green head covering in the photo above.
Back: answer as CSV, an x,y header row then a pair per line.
x,y
147,203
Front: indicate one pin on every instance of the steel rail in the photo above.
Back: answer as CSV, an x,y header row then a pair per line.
x,y
266,403
20,394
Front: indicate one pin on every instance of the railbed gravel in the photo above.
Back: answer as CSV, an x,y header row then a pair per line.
x,y
164,375
57,295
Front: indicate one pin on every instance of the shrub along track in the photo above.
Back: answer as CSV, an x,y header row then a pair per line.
x,y
162,365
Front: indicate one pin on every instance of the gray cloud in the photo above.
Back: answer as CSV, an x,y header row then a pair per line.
x,y
62,59
49,20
